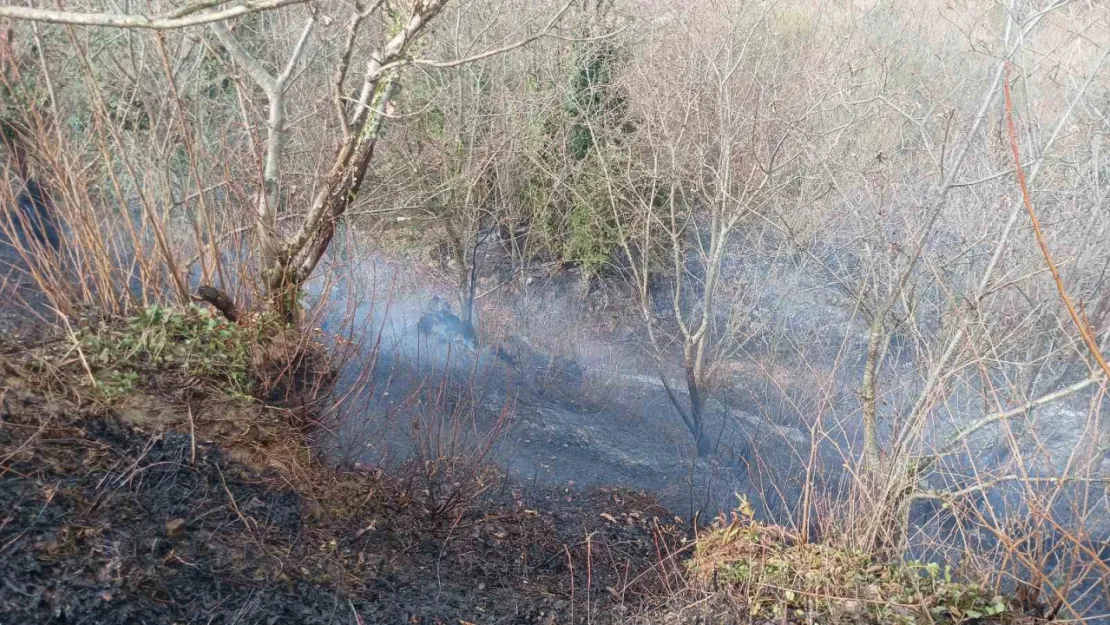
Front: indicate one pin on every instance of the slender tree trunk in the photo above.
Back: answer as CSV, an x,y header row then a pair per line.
x,y
697,404
867,394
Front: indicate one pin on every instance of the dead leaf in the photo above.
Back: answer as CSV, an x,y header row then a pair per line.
x,y
608,517
369,528
174,527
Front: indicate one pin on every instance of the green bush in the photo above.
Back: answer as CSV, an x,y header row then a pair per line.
x,y
591,240
193,341
593,101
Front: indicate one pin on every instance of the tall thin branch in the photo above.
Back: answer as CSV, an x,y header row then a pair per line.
x,y
345,65
274,88
956,439
250,64
298,51
178,18
1080,323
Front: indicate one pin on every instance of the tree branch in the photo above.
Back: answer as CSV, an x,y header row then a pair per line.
x,y
268,198
346,174
389,54
690,424
487,54
178,18
1081,325
962,435
194,7
220,300
298,50
345,64
940,495
250,64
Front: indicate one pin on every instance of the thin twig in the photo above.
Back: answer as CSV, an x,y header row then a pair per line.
x,y
231,499
77,345
192,436
496,51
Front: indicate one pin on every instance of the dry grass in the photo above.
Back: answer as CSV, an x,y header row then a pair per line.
x,y
239,508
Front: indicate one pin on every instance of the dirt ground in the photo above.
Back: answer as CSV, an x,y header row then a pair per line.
x,y
108,517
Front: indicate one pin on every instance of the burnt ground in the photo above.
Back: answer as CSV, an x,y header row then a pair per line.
x,y
587,403
139,515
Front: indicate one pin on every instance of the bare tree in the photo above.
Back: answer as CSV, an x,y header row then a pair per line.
x,y
287,261
716,157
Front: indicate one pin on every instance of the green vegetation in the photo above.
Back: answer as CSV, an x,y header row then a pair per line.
x,y
773,576
192,341
591,235
593,100
573,212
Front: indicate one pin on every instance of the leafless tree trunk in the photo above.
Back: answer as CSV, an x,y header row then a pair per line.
x,y
741,134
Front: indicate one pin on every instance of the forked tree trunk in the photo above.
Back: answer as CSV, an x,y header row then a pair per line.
x,y
697,413
694,417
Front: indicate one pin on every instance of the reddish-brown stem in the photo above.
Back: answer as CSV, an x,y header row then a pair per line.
x,y
1084,329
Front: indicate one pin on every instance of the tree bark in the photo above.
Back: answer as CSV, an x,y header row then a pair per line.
x,y
220,300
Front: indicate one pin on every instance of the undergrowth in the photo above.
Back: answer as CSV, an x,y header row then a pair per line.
x,y
738,571
192,347
764,574
193,340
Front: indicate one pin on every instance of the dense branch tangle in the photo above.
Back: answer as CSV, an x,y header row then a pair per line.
x,y
287,261
192,14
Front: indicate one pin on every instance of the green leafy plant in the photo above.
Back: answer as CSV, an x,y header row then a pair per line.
x,y
592,98
192,341
780,577
591,239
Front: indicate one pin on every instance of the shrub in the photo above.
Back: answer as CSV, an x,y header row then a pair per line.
x,y
192,341
764,572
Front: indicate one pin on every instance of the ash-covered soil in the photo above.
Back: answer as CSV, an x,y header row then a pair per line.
x,y
568,358
109,518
